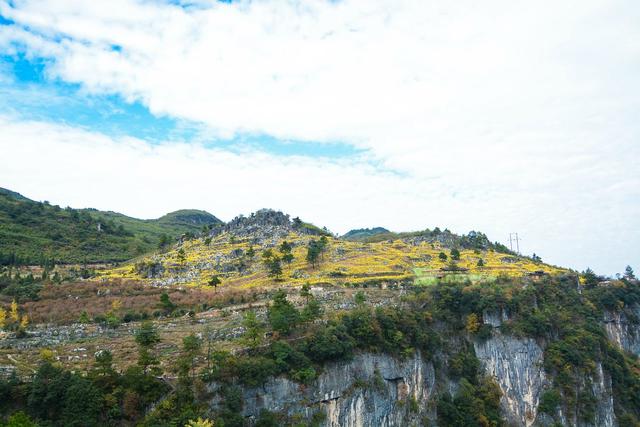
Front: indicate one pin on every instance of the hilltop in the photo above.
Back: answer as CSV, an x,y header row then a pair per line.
x,y
362,234
239,253
32,231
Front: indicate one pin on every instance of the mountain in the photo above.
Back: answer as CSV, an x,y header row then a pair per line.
x,y
31,231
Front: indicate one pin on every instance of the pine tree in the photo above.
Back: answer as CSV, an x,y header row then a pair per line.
x,y
628,273
254,330
146,338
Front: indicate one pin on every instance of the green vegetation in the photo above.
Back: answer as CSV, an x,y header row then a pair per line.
x,y
38,233
365,234
440,321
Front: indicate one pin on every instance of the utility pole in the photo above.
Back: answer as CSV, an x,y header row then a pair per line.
x,y
513,237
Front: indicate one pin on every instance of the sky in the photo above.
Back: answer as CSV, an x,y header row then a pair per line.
x,y
499,116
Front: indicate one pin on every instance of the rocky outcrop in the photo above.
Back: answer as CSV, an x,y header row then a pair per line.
x,y
370,390
265,226
623,329
516,365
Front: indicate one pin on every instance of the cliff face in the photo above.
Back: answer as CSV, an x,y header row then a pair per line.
x,y
370,390
516,365
380,390
622,331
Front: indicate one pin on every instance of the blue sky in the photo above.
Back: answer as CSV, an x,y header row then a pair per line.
x,y
509,117
27,85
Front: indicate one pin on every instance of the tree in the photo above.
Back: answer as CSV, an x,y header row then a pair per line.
x,y
147,337
200,422
14,311
360,298
312,310
285,250
273,267
267,253
455,254
442,256
536,258
251,252
628,273
288,258
305,292
166,304
315,250
215,281
285,247
82,403
590,278
3,317
164,241
480,263
191,346
84,317
103,366
181,256
473,324
20,419
283,316
254,329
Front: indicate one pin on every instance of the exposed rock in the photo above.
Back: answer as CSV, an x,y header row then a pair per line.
x,y
495,318
622,330
516,365
370,390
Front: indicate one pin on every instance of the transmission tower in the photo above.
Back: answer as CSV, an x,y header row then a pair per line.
x,y
513,237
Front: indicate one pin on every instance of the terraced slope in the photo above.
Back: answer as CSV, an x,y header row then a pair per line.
x,y
227,255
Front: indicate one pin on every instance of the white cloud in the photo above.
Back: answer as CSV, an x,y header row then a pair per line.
x,y
505,116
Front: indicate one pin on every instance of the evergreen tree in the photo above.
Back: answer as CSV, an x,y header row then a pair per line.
x,y
283,316
146,338
628,273
215,281
254,330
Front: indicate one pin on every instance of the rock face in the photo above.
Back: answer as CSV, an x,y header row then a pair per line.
x,y
622,331
516,365
370,390
265,225
379,390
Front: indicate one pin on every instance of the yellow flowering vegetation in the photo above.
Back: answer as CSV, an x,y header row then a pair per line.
x,y
195,263
14,311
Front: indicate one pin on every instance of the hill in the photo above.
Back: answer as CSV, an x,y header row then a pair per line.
x,y
241,254
361,234
32,231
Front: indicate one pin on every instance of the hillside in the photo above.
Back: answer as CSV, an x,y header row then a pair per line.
x,y
271,321
235,253
31,231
